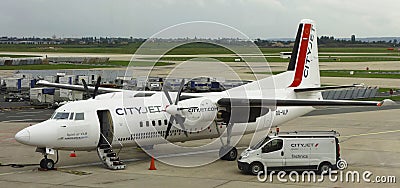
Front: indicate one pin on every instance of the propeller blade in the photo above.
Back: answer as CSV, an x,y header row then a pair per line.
x,y
171,119
179,91
165,90
96,87
86,87
179,119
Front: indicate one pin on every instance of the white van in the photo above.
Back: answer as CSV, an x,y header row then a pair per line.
x,y
299,150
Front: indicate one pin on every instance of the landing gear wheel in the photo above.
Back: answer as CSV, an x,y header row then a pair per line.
x,y
231,155
255,168
324,168
47,164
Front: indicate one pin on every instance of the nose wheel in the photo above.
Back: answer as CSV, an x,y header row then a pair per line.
x,y
47,164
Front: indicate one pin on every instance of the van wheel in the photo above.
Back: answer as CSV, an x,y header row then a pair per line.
x,y
256,167
324,167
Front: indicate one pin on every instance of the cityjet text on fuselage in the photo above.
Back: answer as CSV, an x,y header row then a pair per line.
x,y
138,110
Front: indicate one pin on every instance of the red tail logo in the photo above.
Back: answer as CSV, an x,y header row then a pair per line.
x,y
304,51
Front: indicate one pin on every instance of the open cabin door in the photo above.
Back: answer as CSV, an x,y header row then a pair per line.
x,y
106,127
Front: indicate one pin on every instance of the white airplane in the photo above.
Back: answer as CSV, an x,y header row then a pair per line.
x,y
121,118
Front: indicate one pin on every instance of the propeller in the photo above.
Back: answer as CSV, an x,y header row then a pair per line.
x,y
172,109
85,87
96,87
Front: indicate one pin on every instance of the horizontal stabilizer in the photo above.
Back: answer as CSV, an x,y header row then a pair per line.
x,y
298,90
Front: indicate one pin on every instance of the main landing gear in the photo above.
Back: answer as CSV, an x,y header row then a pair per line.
x,y
228,152
47,163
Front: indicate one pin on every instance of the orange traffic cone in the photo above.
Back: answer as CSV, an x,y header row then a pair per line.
x,y
152,165
72,154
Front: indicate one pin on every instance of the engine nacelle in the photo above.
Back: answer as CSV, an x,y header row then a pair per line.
x,y
198,112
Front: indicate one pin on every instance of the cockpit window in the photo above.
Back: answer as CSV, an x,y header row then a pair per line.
x,y
61,115
79,116
53,115
71,116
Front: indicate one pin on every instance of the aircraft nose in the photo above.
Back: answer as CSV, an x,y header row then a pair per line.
x,y
23,136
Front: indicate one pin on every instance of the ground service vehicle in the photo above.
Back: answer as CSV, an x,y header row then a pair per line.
x,y
299,150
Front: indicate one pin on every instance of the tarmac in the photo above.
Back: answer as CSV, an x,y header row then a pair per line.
x,y
370,140
240,69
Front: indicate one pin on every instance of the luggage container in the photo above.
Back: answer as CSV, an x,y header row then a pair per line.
x,y
13,84
67,79
51,79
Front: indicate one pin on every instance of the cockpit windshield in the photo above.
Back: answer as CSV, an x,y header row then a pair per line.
x,y
259,144
61,115
68,116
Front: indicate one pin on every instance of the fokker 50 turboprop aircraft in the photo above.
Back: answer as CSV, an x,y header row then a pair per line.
x,y
91,124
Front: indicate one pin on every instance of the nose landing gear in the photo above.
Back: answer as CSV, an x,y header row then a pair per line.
x,y
47,163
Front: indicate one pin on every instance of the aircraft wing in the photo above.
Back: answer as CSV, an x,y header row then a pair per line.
x,y
77,87
237,102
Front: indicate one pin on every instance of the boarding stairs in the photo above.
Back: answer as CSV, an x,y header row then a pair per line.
x,y
109,157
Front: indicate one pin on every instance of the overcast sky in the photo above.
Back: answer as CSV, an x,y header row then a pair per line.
x,y
143,18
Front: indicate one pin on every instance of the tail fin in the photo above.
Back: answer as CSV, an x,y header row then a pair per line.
x,y
304,59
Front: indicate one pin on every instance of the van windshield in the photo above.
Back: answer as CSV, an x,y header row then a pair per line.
x,y
259,144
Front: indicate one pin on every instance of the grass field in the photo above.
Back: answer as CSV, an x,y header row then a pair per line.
x,y
193,48
16,56
395,74
394,98
278,59
49,67
83,66
361,74
359,54
138,63
386,89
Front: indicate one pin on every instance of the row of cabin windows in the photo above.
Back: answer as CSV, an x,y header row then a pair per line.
x,y
155,134
153,123
151,135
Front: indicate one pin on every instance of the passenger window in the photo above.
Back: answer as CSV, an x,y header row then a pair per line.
x,y
79,116
273,145
71,116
